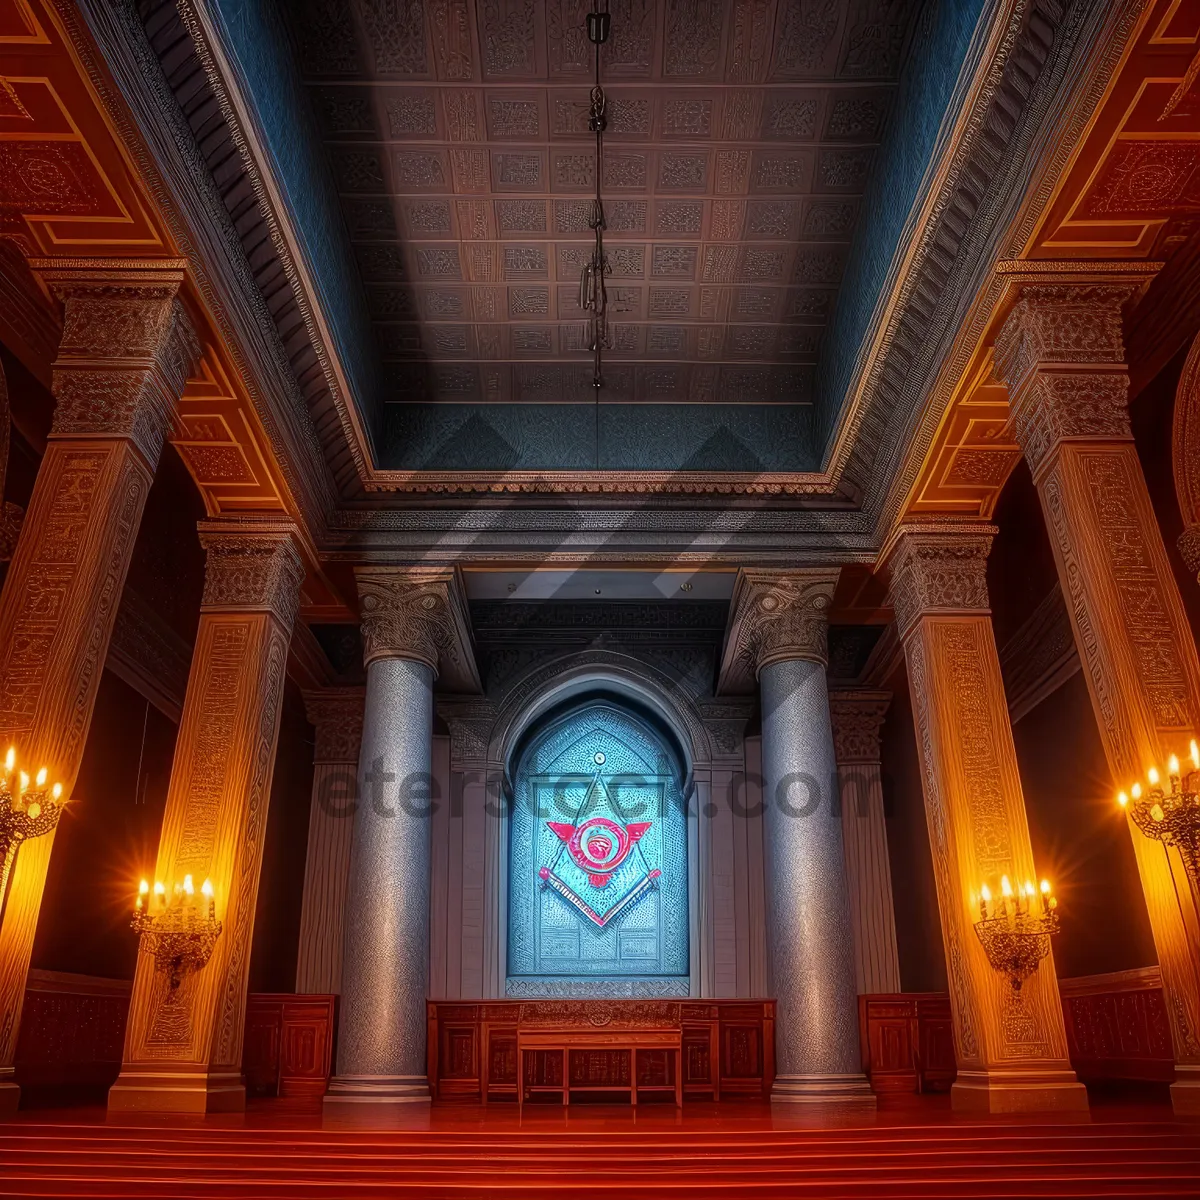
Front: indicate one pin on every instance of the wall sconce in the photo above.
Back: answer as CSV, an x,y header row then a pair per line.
x,y
1170,816
1014,936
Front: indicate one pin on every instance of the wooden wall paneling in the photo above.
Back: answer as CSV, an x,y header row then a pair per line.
x,y
1117,1026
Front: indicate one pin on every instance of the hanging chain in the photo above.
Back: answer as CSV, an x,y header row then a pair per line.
x,y
593,294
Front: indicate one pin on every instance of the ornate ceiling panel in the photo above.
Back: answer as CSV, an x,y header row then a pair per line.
x,y
742,134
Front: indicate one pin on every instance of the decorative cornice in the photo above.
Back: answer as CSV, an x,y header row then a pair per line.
x,y
939,570
252,564
775,615
418,613
127,348
858,718
336,715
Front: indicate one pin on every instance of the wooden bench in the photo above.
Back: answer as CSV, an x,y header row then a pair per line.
x,y
568,1040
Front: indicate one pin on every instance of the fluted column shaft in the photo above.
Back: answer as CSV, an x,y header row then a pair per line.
x,y
125,354
1011,1046
857,721
337,717
1062,356
183,1045
781,623
408,625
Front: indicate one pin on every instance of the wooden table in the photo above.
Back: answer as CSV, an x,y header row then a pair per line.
x,y
567,1040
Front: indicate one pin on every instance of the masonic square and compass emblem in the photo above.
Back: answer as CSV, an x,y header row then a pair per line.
x,y
600,851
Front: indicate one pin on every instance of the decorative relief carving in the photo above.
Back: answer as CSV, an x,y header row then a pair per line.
x,y
858,725
1189,548
404,618
336,715
939,572
252,565
1053,324
781,615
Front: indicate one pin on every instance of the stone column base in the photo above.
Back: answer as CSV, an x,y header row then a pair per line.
x,y
1018,1092
825,1090
1185,1091
377,1089
177,1091
10,1092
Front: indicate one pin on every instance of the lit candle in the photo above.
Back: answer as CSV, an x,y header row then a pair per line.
x,y
1122,799
1045,896
207,889
986,893
1195,755
40,781
1006,889
56,791
10,760
1136,791
189,890
161,892
143,892
1152,775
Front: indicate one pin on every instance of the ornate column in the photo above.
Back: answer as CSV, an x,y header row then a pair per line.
x,y
183,1046
1011,1046
337,717
778,632
414,624
1062,356
857,721
126,351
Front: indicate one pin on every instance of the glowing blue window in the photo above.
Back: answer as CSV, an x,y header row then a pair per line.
x,y
598,888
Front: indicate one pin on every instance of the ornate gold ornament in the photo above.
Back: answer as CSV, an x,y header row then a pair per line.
x,y
180,935
25,812
1016,937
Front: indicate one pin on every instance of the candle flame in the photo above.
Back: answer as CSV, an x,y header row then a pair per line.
x,y
56,791
159,888
1122,799
1152,775
1172,765
143,888
1195,755
207,888
10,758
986,893
23,780
1005,886
40,779
188,886
1045,887
1136,791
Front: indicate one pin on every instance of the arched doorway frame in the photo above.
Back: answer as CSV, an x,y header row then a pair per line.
x,y
547,687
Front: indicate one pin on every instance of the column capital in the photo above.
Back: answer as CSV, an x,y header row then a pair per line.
x,y
127,349
857,716
418,613
252,564
337,716
776,615
939,570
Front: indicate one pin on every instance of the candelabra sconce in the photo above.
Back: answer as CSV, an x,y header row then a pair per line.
x,y
1014,936
1170,814
180,935
25,812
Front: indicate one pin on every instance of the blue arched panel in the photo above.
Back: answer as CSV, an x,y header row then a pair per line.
x,y
598,887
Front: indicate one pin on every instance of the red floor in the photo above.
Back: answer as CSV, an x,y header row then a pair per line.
x,y
914,1147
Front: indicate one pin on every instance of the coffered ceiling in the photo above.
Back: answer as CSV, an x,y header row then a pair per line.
x,y
742,137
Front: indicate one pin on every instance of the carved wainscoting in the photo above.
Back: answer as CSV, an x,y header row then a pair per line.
x,y
288,1049
907,1041
1117,1026
728,1046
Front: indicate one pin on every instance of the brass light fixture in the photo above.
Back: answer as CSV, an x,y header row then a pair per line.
x,y
1170,814
1016,936
593,294
180,935
25,812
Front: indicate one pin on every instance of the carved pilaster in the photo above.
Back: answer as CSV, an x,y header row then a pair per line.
x,y
1011,1047
337,716
183,1047
1134,640
252,565
939,570
421,614
857,735
63,587
775,616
